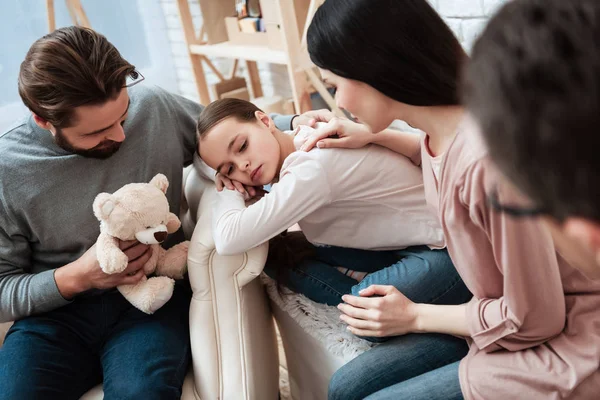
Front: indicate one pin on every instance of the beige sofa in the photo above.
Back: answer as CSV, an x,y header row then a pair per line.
x,y
233,335
234,347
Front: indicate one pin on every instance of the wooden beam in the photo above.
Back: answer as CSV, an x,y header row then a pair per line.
x,y
82,17
322,90
187,22
51,17
200,78
214,69
71,9
233,69
312,9
228,86
291,45
254,79
196,59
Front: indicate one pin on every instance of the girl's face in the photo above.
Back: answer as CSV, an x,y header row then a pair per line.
x,y
247,152
365,103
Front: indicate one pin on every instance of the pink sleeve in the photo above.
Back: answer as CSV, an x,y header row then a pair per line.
x,y
531,308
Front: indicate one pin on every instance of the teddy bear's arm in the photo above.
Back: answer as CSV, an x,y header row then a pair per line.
x,y
111,258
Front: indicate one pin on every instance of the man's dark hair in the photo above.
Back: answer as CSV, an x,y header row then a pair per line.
x,y
401,48
68,68
533,85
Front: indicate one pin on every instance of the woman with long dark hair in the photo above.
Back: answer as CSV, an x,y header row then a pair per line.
x,y
392,59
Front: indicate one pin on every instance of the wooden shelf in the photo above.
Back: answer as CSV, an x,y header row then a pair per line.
x,y
242,52
286,45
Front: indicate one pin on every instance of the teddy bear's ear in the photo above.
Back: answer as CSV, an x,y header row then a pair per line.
x,y
103,206
161,182
173,223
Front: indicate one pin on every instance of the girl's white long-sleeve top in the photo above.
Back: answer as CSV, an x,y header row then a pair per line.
x,y
368,198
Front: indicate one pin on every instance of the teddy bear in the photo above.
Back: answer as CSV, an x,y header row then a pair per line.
x,y
140,211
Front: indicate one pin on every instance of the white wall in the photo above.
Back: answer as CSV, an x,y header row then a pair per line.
x,y
466,18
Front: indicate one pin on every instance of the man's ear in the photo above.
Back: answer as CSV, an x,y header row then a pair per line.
x,y
264,119
42,123
586,231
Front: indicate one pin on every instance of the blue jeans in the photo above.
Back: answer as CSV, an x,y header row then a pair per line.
x,y
421,274
415,366
63,353
439,384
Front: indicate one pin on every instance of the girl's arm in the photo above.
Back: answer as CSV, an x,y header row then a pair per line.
x,y
302,188
352,135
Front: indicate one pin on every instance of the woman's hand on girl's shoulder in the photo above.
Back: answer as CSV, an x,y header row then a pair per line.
x,y
341,133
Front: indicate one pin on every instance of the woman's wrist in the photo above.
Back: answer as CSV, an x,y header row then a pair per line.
x,y
420,311
449,319
382,137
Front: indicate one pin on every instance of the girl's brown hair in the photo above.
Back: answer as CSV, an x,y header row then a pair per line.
x,y
218,110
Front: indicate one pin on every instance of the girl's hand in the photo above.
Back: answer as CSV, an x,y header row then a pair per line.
x,y
221,181
350,135
391,315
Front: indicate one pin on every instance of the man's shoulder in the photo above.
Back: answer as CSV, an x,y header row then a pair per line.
x,y
15,136
148,94
153,99
14,129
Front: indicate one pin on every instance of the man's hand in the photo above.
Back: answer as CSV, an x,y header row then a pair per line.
x,y
310,118
349,135
85,272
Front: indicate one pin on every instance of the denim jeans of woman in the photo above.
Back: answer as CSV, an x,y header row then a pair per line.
x,y
415,366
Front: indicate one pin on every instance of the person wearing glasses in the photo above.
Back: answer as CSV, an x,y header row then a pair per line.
x,y
548,150
533,324
90,131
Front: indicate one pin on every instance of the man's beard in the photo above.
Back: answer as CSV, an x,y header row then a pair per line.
x,y
103,150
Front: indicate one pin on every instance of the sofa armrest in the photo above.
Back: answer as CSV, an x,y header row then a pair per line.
x,y
234,348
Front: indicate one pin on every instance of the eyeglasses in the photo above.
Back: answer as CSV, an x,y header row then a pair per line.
x,y
513,211
133,78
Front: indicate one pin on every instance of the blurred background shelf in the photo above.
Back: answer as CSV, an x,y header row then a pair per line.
x,y
282,42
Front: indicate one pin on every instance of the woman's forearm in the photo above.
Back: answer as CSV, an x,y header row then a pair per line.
x,y
407,144
451,320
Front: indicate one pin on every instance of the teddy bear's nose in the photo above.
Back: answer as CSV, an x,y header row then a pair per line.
x,y
160,236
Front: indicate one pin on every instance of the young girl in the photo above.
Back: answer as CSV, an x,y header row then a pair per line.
x,y
533,324
368,199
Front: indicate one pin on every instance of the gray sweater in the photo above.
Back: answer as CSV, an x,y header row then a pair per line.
x,y
46,194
